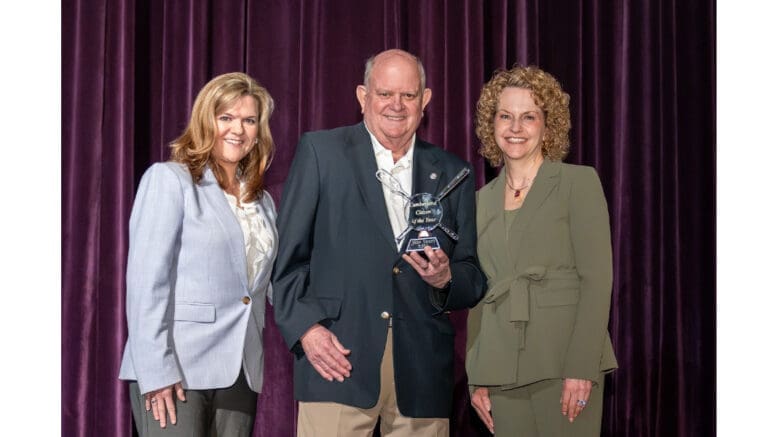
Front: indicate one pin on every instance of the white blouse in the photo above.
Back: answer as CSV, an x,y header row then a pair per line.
x,y
257,236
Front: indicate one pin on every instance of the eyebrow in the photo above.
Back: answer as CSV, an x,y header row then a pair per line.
x,y
381,90
524,112
234,116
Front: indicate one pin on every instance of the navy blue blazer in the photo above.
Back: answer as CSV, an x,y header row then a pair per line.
x,y
338,265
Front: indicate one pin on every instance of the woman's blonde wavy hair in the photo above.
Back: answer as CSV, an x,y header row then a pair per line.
x,y
547,94
193,148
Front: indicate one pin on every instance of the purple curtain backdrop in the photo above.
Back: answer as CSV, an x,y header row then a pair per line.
x,y
641,75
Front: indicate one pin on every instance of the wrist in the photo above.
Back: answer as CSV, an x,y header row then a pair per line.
x,y
445,286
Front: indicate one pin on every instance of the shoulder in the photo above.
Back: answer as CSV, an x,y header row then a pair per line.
x,y
582,181
447,158
579,173
165,173
167,170
333,136
163,183
490,185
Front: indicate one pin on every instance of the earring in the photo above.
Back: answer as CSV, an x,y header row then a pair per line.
x,y
256,140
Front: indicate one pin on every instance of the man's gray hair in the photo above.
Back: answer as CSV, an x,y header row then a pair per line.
x,y
371,62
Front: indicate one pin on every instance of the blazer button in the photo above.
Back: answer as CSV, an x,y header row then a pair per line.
x,y
385,315
246,300
395,270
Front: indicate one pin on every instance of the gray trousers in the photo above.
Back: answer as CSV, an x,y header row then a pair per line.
x,y
206,413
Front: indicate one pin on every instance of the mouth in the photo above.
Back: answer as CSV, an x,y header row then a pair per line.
x,y
515,140
395,117
233,142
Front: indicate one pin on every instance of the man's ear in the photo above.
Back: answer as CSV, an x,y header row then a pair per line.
x,y
361,96
425,98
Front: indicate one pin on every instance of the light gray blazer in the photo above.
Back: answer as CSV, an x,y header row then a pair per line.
x,y
191,313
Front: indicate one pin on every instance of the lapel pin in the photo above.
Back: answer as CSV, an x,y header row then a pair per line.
x,y
433,176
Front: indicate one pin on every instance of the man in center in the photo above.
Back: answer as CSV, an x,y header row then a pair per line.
x,y
369,323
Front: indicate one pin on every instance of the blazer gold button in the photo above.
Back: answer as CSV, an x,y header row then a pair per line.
x,y
246,300
395,270
384,315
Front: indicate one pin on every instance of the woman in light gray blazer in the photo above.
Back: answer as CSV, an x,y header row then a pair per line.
x,y
202,244
537,344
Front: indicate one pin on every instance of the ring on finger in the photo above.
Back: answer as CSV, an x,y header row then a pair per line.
x,y
581,403
153,400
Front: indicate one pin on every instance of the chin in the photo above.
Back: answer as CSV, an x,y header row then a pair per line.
x,y
394,131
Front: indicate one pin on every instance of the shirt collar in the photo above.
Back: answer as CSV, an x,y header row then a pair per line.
x,y
380,151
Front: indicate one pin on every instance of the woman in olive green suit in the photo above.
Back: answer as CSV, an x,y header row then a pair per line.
x,y
537,345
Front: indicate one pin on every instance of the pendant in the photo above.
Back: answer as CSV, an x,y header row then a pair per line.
x,y
517,194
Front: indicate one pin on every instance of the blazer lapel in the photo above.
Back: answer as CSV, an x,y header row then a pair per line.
x,y
546,180
359,149
215,197
426,171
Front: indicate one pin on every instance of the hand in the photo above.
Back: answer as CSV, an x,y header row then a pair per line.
x,y
326,354
574,390
161,402
435,270
482,404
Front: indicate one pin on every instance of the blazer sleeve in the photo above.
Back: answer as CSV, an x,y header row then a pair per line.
x,y
468,284
154,242
294,314
590,234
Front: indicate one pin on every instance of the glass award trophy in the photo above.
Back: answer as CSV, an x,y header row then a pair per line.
x,y
423,210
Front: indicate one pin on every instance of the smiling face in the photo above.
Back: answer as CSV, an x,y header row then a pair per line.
x,y
237,130
519,125
393,102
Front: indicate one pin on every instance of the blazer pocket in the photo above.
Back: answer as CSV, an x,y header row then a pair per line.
x,y
554,298
195,312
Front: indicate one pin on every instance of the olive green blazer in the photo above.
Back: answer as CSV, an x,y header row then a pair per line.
x,y
549,275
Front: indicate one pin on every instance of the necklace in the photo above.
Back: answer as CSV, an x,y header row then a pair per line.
x,y
517,191
526,182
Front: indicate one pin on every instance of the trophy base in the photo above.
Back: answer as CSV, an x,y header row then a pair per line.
x,y
418,244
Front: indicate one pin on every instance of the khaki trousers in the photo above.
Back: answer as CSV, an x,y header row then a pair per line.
x,y
330,419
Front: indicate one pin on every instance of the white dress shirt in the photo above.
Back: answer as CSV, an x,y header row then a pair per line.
x,y
402,171
256,236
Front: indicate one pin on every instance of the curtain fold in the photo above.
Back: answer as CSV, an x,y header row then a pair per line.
x,y
641,76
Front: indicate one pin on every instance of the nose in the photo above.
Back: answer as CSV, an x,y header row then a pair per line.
x,y
236,126
396,102
515,124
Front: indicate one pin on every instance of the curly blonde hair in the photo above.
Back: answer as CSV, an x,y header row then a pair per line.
x,y
547,94
193,148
